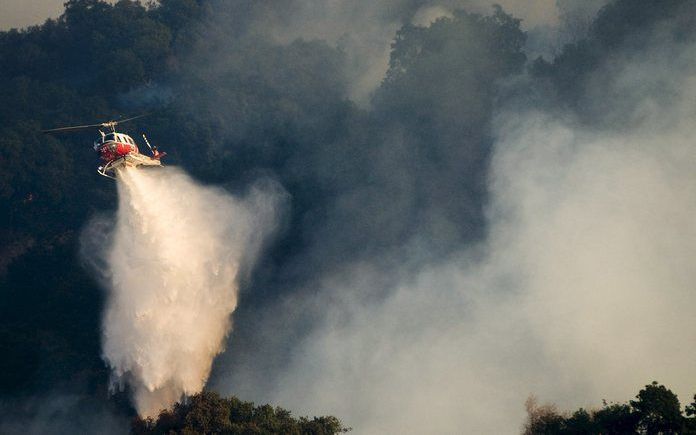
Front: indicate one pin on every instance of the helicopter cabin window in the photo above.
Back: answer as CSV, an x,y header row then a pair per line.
x,y
109,137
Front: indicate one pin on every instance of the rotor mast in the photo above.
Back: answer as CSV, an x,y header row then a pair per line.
x,y
111,124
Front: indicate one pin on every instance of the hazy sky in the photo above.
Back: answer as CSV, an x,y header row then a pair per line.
x,y
22,13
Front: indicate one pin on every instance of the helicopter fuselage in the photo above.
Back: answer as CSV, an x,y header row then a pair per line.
x,y
114,145
115,149
119,150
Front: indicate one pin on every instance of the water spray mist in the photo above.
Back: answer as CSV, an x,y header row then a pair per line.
x,y
171,262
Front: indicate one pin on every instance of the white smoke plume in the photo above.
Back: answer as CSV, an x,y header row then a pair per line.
x,y
172,266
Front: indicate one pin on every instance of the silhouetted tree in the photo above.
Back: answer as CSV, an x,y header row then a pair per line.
x,y
208,413
616,419
658,410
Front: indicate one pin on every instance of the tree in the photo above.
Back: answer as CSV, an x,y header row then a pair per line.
x,y
542,419
208,413
616,419
658,410
690,420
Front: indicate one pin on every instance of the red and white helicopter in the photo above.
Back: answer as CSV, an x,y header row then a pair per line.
x,y
117,150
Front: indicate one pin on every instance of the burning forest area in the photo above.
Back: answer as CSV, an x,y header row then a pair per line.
x,y
318,217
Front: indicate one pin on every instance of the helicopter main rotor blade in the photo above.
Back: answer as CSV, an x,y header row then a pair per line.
x,y
120,121
108,124
77,127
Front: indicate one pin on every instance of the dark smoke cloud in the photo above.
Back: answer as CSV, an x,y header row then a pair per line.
x,y
364,31
408,309
396,186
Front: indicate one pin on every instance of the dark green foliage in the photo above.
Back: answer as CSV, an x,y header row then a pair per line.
x,y
68,71
208,413
616,419
580,422
655,411
690,422
658,409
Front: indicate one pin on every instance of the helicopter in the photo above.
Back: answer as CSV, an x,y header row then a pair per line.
x,y
115,149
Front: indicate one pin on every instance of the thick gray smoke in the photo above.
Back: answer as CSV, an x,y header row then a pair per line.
x,y
172,267
366,30
588,270
582,291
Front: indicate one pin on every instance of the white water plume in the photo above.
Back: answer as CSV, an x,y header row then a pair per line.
x,y
172,261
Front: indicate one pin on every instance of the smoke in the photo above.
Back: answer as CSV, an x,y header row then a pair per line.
x,y
582,290
364,31
172,264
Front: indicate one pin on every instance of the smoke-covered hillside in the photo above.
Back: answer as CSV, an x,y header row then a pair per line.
x,y
475,203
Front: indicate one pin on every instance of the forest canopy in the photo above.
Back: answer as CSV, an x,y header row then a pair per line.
x,y
655,410
208,413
